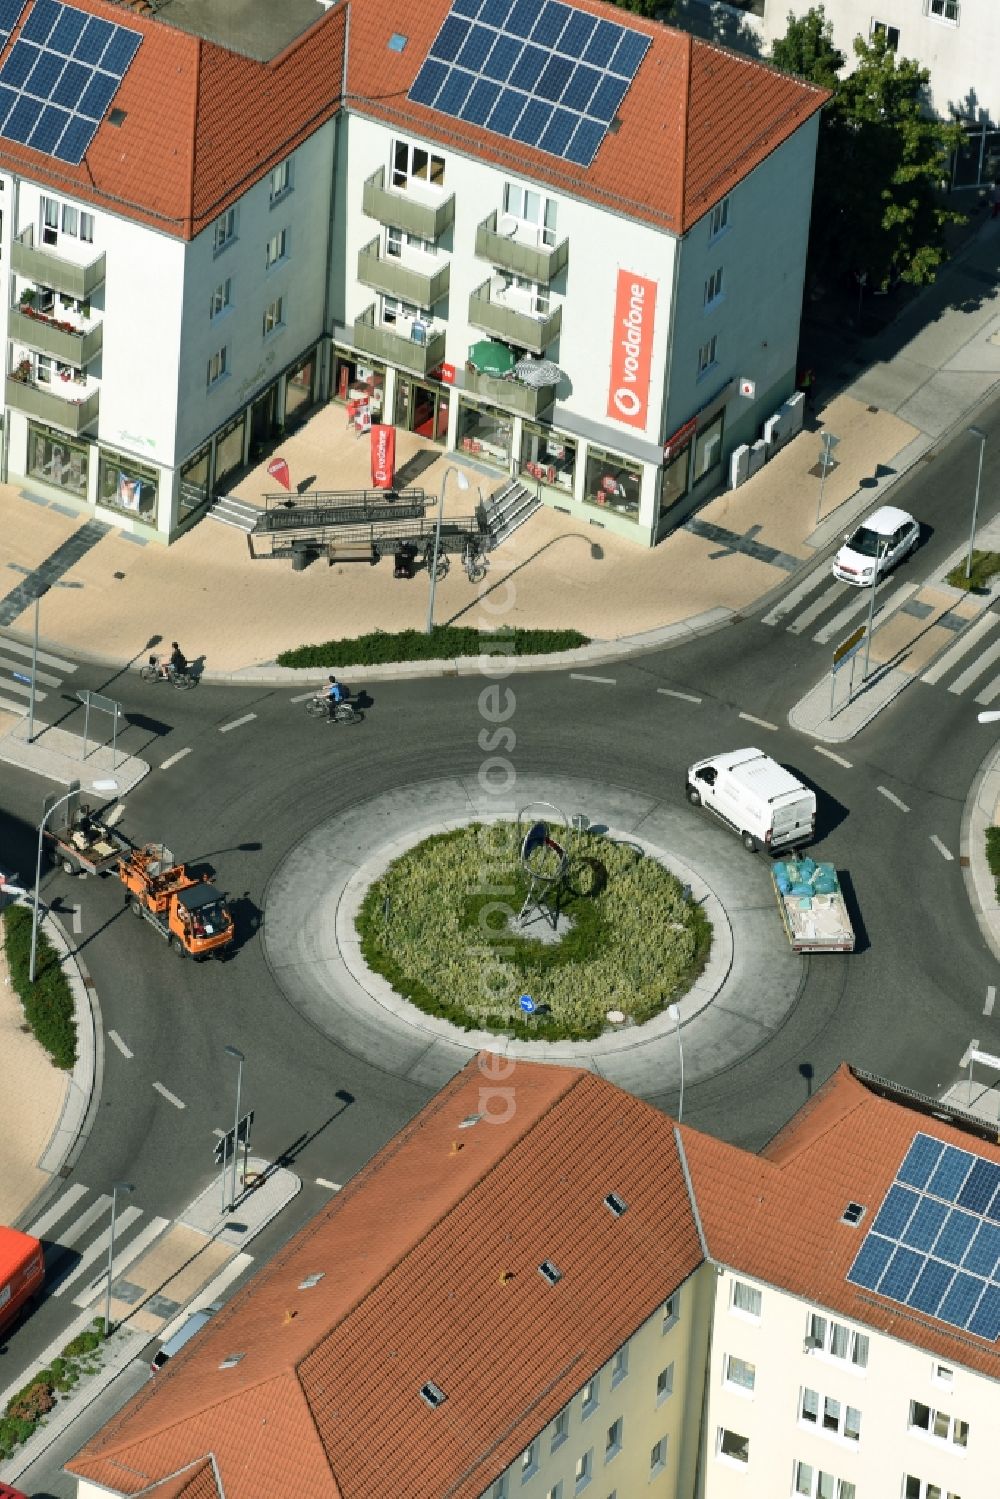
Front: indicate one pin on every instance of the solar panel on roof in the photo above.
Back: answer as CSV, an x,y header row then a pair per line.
x,y
924,1250
10,14
541,55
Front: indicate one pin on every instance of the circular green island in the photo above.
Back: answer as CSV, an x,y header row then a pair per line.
x,y
618,932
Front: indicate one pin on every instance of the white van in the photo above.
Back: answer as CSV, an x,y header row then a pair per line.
x,y
755,796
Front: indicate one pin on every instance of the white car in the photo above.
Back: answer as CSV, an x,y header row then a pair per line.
x,y
881,541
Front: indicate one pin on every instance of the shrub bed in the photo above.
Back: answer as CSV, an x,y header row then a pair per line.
x,y
435,927
25,1410
993,855
444,643
985,565
48,1002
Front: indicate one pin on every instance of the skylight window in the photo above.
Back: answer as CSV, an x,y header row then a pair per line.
x,y
550,1272
470,1120
397,42
231,1360
853,1214
615,1204
432,1394
311,1280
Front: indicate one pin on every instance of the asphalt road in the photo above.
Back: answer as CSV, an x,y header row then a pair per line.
x,y
905,1005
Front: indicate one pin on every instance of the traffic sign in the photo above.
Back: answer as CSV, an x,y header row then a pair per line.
x,y
21,676
848,646
224,1144
527,1004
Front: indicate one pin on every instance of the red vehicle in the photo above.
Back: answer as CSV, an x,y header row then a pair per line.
x,y
22,1270
6,1492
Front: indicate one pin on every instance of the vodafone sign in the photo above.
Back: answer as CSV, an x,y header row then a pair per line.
x,y
631,349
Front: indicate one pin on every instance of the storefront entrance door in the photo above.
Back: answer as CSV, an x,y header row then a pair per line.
x,y
263,417
422,409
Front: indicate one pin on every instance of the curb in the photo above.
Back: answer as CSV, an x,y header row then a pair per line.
x,y
977,816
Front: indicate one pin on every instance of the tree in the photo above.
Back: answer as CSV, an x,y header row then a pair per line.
x,y
807,49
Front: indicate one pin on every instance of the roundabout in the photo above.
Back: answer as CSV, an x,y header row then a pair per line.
x,y
736,1002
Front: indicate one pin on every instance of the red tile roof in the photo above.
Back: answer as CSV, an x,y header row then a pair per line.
x,y
430,1259
777,1216
696,120
201,123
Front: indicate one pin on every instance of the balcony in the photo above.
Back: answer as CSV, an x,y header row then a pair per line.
x,y
42,403
49,269
428,220
387,274
536,262
392,347
523,400
525,329
39,333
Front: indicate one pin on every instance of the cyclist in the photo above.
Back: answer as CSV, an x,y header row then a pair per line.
x,y
335,693
177,665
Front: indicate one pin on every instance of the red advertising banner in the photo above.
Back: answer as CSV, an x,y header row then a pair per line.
x,y
631,349
383,455
278,469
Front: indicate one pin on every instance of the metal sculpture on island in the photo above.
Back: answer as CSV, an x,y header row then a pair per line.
x,y
544,861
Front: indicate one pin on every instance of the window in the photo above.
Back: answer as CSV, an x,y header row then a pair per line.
x,y
224,230
891,34
619,1367
713,287
529,1461
394,308
853,1214
50,221
664,1384
273,316
919,1488
941,1374
281,181
733,1447
671,1311
499,1489
87,227
658,1457
938,1424
837,1341
560,1430
820,1485
70,220
276,247
532,209
584,1471
830,1415
588,1397
395,239
221,297
124,484
555,1492
217,365
613,1440
744,1298
718,219
736,1371
415,164
946,10
708,355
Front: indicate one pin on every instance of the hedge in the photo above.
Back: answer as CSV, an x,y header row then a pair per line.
x,y
444,643
25,1410
993,856
48,1002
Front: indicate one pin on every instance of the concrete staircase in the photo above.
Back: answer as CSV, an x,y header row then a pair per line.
x,y
237,513
509,507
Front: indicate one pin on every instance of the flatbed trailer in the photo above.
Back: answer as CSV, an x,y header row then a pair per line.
x,y
86,845
812,906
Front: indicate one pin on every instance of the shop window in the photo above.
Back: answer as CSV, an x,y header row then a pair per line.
x,y
194,484
356,380
123,484
548,457
229,451
708,448
485,434
532,210
412,163
676,474
56,460
613,483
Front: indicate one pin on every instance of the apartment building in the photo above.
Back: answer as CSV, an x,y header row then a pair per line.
x,y
616,213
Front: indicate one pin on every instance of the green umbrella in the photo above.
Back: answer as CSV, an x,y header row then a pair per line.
x,y
491,358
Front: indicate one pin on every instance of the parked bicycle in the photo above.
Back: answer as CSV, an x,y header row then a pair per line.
x,y
158,670
320,706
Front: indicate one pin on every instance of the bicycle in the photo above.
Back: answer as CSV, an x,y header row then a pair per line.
x,y
153,672
343,712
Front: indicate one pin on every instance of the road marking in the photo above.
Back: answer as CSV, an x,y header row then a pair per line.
x,y
40,676
115,815
43,656
123,1257
761,723
58,1210
795,596
891,796
961,648
219,1132
77,920
9,706
805,619
237,723
831,630
170,1097
991,995
944,852
688,697
174,758
986,697
208,1294
977,669
302,697
126,1053
80,1225
830,755
24,688
579,676
94,1251
321,1181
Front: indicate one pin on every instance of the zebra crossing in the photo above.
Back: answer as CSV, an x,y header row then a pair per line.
x,y
76,1251
828,611
15,675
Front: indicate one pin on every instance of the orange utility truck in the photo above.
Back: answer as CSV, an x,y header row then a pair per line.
x,y
22,1270
189,913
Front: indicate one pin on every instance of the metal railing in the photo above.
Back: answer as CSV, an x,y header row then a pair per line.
x,y
537,262
386,274
43,265
385,344
525,329
404,210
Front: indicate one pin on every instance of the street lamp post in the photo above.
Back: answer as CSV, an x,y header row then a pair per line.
x,y
238,1057
40,590
981,435
463,483
675,1015
105,785
118,1187
825,463
880,553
